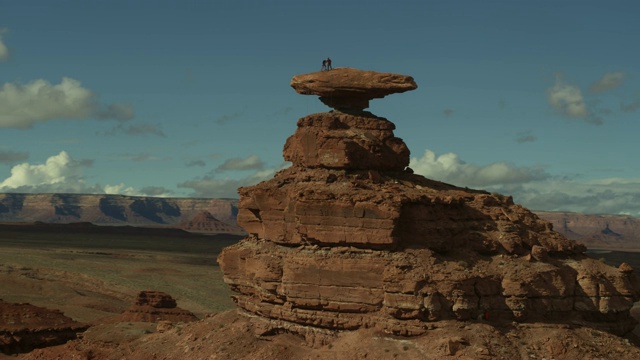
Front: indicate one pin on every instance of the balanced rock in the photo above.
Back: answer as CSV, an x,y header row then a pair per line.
x,y
347,238
155,306
351,89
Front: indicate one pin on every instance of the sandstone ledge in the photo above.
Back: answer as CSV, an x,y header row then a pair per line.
x,y
347,88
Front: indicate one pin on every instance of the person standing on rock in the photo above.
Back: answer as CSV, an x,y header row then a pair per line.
x,y
329,64
324,65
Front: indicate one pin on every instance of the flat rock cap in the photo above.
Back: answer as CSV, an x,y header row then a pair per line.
x,y
348,88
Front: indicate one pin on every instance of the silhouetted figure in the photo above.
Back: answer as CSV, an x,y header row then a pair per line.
x,y
324,65
329,64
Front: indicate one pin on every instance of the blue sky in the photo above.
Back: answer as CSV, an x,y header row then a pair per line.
x,y
535,99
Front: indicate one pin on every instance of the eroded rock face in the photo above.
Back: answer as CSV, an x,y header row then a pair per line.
x,y
347,238
347,88
24,327
337,140
155,306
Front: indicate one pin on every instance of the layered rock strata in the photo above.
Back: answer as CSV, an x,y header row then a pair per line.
x,y
351,89
24,327
349,238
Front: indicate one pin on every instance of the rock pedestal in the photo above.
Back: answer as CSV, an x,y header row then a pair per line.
x,y
349,238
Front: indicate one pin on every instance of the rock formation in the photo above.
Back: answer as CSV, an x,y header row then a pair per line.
x,y
155,306
349,238
24,327
346,88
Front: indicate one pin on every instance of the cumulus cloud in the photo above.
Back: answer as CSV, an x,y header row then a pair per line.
x,y
608,81
59,173
23,105
120,189
10,157
4,51
449,168
251,162
210,186
600,196
567,100
156,191
534,188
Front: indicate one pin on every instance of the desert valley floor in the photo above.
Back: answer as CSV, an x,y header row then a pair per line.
x,y
90,274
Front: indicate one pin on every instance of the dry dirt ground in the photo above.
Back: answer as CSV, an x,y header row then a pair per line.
x,y
92,276
230,336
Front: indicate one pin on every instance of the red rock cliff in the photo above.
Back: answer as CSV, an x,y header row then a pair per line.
x,y
348,238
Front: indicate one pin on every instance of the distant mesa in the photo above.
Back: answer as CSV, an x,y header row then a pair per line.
x,y
104,209
350,89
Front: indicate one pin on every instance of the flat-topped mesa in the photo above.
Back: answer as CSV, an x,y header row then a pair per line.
x,y
350,89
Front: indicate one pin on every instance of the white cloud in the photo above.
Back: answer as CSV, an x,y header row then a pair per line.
x,y
23,105
120,189
58,172
4,51
534,188
449,168
567,100
599,196
252,162
608,81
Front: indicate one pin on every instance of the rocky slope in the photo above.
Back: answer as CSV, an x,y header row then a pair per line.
x,y
24,327
615,232
348,238
121,210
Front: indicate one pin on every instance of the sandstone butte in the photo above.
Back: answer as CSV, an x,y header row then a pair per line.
x,y
349,238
